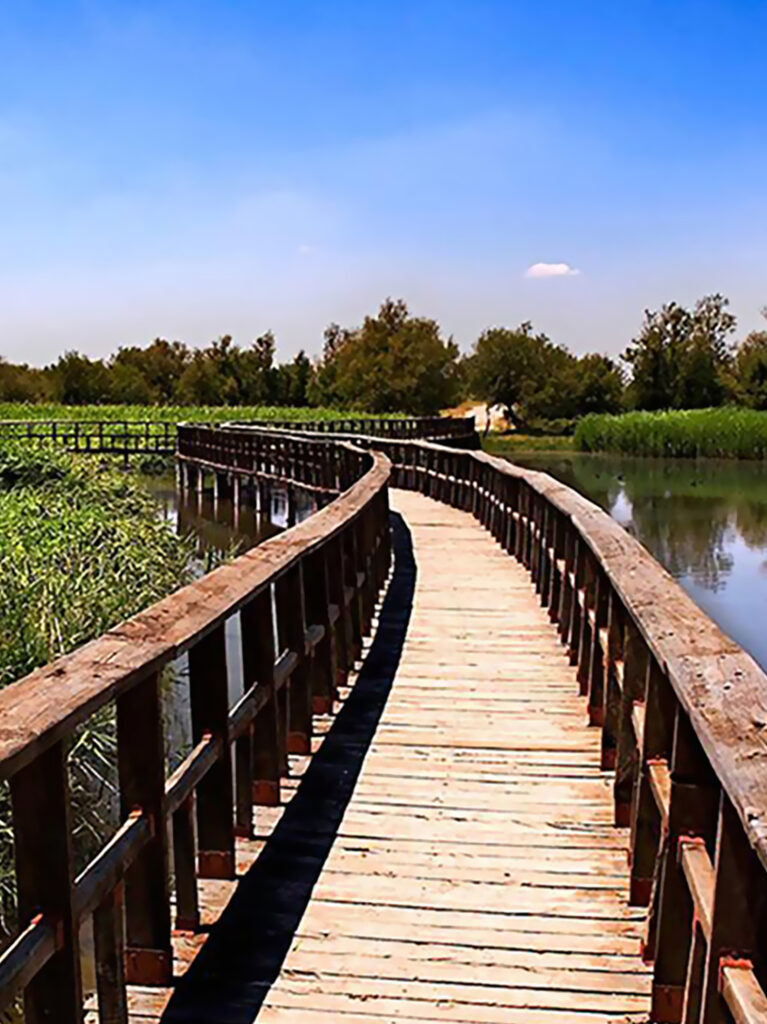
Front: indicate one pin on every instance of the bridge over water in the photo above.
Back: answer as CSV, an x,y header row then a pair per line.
x,y
490,764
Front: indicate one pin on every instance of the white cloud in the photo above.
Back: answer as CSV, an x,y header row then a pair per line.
x,y
551,270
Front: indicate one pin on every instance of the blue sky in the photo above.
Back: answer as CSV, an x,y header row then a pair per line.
x,y
193,168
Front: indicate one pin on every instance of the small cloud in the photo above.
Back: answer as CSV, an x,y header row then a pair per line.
x,y
305,250
551,270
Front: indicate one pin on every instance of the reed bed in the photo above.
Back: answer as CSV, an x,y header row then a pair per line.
x,y
727,433
81,548
175,413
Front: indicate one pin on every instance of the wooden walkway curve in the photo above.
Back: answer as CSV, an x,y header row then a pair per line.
x,y
448,854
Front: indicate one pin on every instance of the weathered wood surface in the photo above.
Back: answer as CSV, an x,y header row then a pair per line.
x,y
448,853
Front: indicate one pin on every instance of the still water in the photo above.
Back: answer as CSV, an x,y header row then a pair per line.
x,y
705,521
221,530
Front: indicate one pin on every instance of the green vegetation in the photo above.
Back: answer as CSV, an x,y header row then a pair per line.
x,y
394,362
399,363
171,413
539,383
728,432
517,444
81,548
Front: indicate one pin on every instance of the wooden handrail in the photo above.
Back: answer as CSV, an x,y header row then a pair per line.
x,y
681,709
683,716
319,631
159,436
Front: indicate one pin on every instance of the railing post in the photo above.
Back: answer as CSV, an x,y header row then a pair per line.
x,y
739,905
692,812
258,658
596,654
141,770
208,686
611,656
109,953
317,601
291,630
627,757
44,875
184,867
341,629
349,542
583,640
658,707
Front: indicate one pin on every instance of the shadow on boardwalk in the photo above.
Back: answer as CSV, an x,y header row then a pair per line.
x,y
231,976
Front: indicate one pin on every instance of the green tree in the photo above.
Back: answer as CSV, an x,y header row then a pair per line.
x,y
291,381
78,380
161,364
201,382
395,362
21,383
524,372
598,385
751,369
681,358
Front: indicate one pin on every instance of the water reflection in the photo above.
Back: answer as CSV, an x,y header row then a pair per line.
x,y
222,529
705,521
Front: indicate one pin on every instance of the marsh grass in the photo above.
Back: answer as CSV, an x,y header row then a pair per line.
x,y
511,444
175,413
728,433
81,548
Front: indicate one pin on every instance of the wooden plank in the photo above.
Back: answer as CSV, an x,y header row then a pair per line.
x,y
474,875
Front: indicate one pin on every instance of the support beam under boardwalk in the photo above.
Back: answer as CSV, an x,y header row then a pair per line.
x,y
448,853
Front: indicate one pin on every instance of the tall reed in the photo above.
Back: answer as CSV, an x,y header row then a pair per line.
x,y
727,432
82,547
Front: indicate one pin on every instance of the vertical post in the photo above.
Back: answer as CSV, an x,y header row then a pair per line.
x,y
210,715
317,601
341,631
184,866
627,754
349,541
110,958
141,771
291,630
595,654
258,656
659,708
44,872
694,802
739,907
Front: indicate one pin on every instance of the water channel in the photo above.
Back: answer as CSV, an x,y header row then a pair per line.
x,y
705,521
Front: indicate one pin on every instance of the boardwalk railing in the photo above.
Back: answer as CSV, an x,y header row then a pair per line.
x,y
152,437
682,711
681,708
683,718
304,600
105,437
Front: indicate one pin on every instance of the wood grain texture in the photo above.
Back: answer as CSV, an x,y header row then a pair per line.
x,y
447,853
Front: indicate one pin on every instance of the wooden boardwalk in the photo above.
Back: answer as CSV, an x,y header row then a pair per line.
x,y
448,853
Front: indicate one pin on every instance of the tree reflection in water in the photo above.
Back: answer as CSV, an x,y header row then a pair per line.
x,y
705,521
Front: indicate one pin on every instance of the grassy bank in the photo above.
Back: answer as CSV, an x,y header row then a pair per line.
x,y
514,444
81,548
172,413
728,433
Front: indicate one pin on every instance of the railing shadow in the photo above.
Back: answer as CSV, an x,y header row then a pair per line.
x,y
231,976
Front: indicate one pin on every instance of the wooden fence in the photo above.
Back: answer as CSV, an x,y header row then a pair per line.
x,y
152,437
304,600
681,708
683,717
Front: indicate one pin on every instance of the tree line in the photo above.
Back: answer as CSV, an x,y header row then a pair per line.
x,y
397,362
